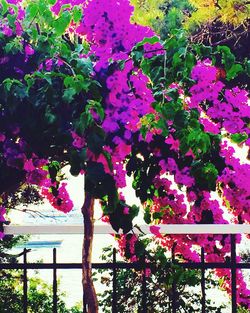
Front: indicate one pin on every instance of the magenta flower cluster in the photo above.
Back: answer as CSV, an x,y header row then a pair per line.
x,y
226,108
110,32
236,193
36,171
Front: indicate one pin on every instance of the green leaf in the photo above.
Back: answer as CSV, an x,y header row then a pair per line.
x,y
32,10
11,20
8,83
134,211
54,168
137,55
44,75
50,117
139,248
47,77
85,66
4,6
203,51
13,46
190,61
97,106
228,58
52,2
239,138
158,215
29,80
85,120
68,94
198,141
81,83
62,23
205,175
77,14
65,50
234,71
151,40
147,215
247,67
160,255
68,81
161,124
177,59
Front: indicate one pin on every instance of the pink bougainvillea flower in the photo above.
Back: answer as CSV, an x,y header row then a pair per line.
x,y
60,62
2,213
155,230
105,218
62,201
48,64
147,272
29,50
174,143
78,142
29,166
102,159
2,137
209,126
126,211
37,177
7,31
14,1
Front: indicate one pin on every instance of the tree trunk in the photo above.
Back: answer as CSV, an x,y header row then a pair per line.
x,y
90,304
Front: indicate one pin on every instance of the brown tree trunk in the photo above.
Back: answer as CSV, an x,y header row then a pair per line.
x,y
89,299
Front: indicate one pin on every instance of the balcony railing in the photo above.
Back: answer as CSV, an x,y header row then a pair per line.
x,y
231,263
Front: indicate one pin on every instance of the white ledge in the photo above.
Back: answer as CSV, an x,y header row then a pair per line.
x,y
107,229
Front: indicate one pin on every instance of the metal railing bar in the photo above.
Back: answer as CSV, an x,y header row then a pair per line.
x,y
233,274
54,282
142,266
25,282
119,265
168,229
174,294
144,286
114,291
203,282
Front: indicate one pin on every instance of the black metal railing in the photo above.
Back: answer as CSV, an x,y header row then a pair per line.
x,y
230,263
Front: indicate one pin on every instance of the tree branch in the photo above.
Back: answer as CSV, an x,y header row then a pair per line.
x,y
89,297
